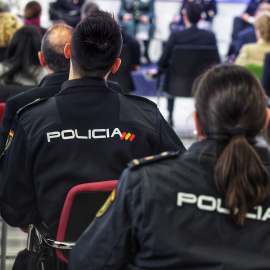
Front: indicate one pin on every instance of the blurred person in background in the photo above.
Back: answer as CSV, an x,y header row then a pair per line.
x,y
8,26
254,53
32,14
21,65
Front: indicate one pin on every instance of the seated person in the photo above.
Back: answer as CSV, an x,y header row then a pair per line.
x,y
136,18
244,22
8,26
209,11
86,133
254,53
32,14
189,36
21,65
67,11
207,208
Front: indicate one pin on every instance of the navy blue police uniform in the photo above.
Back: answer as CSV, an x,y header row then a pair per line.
x,y
168,214
86,133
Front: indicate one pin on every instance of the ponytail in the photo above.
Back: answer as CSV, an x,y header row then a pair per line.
x,y
241,177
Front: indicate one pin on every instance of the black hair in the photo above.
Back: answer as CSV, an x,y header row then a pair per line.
x,y
88,7
53,48
22,53
231,104
96,44
193,12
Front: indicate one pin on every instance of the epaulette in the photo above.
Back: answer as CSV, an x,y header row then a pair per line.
x,y
38,100
135,163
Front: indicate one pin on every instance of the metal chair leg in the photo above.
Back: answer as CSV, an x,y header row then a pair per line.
x,y
3,245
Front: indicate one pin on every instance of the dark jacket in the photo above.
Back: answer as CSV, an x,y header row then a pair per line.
x,y
170,215
190,36
48,87
86,133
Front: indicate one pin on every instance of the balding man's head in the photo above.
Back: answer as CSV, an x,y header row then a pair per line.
x,y
52,47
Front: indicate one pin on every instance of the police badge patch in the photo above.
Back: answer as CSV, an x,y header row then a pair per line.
x,y
9,140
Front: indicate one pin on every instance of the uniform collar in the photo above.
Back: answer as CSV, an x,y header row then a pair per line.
x,y
54,79
86,81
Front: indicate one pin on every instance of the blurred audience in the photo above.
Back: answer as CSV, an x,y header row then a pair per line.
x,y
4,7
254,53
21,65
32,14
189,36
245,23
8,26
209,11
266,75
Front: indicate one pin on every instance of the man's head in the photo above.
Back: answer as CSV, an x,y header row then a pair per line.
x,y
88,7
53,43
192,13
95,46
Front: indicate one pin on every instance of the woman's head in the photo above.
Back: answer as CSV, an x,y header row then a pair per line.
x,y
24,46
229,97
22,53
231,105
8,26
32,10
262,26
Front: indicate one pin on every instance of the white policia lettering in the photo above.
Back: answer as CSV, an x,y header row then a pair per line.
x,y
208,203
70,134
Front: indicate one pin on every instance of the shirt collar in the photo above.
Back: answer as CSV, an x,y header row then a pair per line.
x,y
54,78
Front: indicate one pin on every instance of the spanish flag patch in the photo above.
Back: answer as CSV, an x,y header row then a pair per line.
x,y
9,140
107,204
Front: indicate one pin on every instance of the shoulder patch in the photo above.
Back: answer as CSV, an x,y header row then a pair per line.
x,y
135,163
31,104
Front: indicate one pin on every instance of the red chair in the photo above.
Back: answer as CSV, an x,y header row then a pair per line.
x,y
81,205
2,111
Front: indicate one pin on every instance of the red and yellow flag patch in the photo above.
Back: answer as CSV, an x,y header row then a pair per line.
x,y
9,139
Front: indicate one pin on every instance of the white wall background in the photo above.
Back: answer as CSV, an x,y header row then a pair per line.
x,y
165,11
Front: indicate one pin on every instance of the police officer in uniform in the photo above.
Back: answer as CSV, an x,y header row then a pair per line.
x,y
136,17
86,133
208,208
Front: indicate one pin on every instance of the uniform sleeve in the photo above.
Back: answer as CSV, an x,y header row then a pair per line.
x,y
5,128
151,12
168,139
242,57
18,205
109,242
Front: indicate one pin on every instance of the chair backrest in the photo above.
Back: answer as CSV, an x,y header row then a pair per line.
x,y
256,70
2,112
187,63
81,205
123,75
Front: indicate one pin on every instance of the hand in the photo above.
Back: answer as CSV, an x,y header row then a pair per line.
x,y
127,17
144,19
245,17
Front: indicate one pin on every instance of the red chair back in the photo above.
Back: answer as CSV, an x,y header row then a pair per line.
x,y
80,208
2,111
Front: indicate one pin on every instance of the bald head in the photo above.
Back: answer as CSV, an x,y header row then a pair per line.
x,y
52,47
